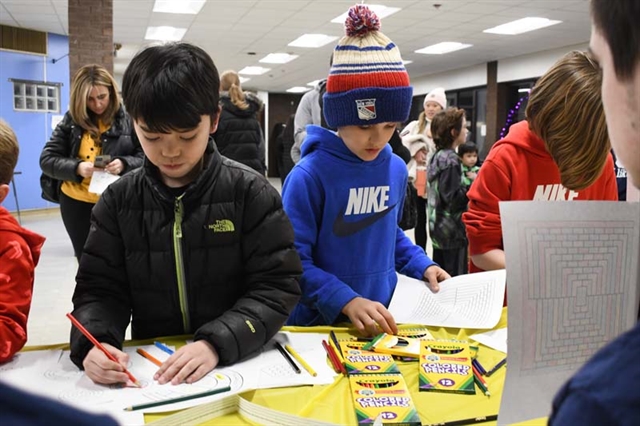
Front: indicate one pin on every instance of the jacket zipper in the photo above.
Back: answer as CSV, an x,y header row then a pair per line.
x,y
177,249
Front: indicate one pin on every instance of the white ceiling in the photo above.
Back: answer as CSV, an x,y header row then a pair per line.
x,y
229,30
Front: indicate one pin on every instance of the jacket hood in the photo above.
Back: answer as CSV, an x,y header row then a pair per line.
x,y
255,104
326,141
33,240
520,136
415,143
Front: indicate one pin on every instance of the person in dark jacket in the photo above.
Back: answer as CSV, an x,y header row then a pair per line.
x,y
287,143
191,243
95,125
239,135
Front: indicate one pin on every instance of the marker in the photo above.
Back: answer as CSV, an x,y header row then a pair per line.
x,y
286,356
163,347
178,399
99,346
497,367
301,360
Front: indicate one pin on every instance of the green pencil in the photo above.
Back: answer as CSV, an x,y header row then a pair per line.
x,y
178,399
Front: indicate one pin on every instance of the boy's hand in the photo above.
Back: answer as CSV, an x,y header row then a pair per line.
x,y
189,364
85,169
115,167
433,275
472,175
102,370
421,156
369,317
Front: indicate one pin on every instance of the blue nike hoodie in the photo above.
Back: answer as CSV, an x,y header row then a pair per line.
x,y
345,214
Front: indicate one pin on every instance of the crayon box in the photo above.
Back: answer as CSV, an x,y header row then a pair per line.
x,y
359,361
384,397
445,366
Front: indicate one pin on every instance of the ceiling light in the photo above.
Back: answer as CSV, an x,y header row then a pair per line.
x,y
524,90
278,58
521,26
253,70
243,79
191,7
378,9
312,40
406,62
165,33
314,83
444,47
298,89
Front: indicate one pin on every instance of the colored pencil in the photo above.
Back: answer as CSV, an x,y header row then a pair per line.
x,y
178,399
336,344
163,347
286,356
470,421
481,385
148,356
479,376
497,367
99,346
479,366
337,365
301,360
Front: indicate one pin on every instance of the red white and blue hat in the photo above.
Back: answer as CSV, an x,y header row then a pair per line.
x,y
368,82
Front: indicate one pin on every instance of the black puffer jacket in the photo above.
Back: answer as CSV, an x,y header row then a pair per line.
x,y
238,278
59,157
239,135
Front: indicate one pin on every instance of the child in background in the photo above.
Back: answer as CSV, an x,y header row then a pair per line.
x,y
468,153
191,243
19,254
447,195
345,196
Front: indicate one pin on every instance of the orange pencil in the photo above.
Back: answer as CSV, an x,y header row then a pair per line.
x,y
99,346
148,356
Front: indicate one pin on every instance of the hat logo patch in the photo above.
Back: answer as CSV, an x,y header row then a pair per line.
x,y
366,109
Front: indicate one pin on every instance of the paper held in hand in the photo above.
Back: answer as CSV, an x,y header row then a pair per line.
x,y
100,180
465,301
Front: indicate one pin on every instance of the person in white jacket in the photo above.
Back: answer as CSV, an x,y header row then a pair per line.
x,y
419,131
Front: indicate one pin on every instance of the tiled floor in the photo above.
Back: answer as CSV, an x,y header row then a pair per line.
x,y
55,278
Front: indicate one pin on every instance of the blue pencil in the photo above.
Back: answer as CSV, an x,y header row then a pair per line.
x,y
163,347
479,366
497,367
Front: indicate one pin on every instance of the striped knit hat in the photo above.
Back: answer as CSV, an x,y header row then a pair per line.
x,y
368,83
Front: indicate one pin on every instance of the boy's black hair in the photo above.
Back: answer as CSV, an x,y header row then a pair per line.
x,y
170,87
466,148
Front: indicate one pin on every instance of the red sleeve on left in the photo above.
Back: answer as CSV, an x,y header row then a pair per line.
x,y
16,287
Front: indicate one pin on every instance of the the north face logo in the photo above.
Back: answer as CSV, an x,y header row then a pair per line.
x,y
221,225
366,109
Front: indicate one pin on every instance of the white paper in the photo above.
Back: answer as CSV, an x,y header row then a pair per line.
x,y
573,287
465,301
496,339
100,180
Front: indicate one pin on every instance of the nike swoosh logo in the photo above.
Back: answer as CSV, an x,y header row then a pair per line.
x,y
341,228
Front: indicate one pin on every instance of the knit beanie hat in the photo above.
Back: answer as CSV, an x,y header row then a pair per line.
x,y
436,95
367,83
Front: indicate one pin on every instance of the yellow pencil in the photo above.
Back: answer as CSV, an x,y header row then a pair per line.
x,y
302,362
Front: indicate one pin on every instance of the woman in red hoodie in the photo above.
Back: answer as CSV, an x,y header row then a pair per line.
x,y
560,152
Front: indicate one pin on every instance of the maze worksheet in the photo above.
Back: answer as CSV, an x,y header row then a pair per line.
x,y
572,287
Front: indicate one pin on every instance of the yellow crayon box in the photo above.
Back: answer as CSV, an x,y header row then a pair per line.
x,y
384,397
401,344
359,361
445,366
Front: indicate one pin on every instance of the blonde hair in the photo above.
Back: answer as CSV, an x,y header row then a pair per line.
x,y
9,151
230,82
422,122
83,81
565,111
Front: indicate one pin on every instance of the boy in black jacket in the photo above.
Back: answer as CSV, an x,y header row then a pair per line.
x,y
191,243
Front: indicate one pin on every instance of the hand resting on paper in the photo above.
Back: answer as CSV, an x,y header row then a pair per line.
x,y
102,370
433,275
369,317
115,167
189,364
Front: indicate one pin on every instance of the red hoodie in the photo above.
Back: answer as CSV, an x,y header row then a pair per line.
x,y
19,254
519,167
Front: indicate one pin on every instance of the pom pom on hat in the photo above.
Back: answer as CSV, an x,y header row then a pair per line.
x,y
368,82
436,95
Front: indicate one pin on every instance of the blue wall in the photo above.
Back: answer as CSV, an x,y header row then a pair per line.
x,y
32,128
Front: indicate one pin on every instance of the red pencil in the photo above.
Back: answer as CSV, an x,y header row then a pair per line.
x,y
99,346
337,365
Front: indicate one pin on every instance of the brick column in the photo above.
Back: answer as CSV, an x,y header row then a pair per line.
x,y
90,34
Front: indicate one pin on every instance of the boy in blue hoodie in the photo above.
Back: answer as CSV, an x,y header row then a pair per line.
x,y
345,196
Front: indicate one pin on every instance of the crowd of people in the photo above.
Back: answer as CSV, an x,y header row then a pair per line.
x,y
192,241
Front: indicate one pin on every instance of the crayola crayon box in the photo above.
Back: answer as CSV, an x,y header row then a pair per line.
x,y
445,366
400,345
359,361
383,396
